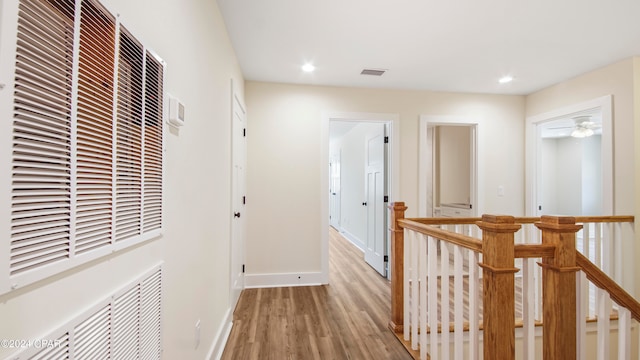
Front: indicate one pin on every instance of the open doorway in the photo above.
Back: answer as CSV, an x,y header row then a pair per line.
x,y
448,167
569,160
361,177
357,194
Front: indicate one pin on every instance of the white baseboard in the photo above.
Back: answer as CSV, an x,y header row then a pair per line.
x,y
353,239
282,280
220,340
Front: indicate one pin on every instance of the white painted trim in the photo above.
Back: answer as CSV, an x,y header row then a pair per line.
x,y
477,181
222,335
605,103
238,231
353,239
394,169
252,281
8,35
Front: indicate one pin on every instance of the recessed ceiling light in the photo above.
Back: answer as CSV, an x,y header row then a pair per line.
x,y
308,68
505,79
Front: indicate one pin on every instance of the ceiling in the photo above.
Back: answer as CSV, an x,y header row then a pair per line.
x,y
455,45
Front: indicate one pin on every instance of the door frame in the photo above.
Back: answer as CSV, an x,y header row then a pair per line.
x,y
237,228
393,178
334,207
605,103
425,159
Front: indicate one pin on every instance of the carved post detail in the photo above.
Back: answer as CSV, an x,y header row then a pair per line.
x,y
559,287
498,286
397,267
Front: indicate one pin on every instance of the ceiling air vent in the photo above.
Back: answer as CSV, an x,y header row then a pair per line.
x,y
374,72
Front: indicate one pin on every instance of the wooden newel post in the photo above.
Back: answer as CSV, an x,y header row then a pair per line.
x,y
559,287
397,267
498,280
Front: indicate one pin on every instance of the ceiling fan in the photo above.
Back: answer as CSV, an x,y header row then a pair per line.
x,y
583,126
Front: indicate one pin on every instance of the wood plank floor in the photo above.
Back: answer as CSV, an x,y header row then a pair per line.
x,y
346,319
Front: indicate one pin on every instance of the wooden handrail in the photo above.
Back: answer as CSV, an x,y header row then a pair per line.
x,y
601,280
467,242
446,221
523,220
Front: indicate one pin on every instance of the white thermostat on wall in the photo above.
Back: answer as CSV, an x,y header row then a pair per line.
x,y
176,112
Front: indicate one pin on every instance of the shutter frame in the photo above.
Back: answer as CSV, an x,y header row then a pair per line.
x,y
64,143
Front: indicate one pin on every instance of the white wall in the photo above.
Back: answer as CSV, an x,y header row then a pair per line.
x,y
191,37
622,80
549,148
572,176
568,176
617,80
285,168
591,175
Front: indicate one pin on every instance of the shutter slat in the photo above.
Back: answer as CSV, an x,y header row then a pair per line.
x,y
55,352
126,319
37,236
40,260
92,336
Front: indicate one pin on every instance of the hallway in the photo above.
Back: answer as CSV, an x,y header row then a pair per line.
x,y
344,320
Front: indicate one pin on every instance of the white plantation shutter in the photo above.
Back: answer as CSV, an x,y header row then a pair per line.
x,y
41,173
124,326
95,129
87,136
152,201
129,138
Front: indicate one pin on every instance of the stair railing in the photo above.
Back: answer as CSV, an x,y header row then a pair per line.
x,y
428,257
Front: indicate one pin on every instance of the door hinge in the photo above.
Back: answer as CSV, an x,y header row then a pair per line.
x,y
386,258
243,268
386,198
244,200
386,139
244,132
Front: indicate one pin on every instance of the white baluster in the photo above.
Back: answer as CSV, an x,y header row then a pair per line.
x,y
474,333
618,259
624,334
415,286
607,250
582,305
444,299
408,243
433,297
458,305
528,310
426,309
604,319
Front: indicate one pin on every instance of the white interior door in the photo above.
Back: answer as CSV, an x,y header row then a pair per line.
x,y
238,200
375,191
334,192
